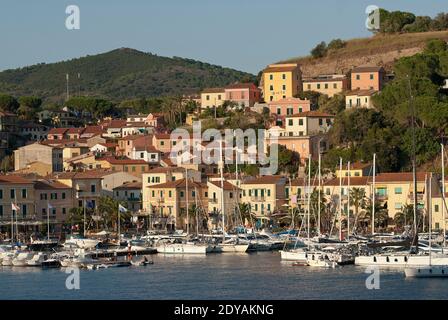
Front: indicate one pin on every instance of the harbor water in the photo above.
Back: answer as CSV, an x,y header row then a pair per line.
x,y
217,276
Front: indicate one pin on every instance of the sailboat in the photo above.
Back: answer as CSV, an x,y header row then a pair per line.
x,y
430,270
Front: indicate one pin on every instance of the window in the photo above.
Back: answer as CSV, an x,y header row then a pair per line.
x,y
335,85
309,87
268,192
290,122
271,77
93,188
327,191
279,111
181,194
153,194
170,193
1,194
284,76
300,110
271,87
231,195
284,87
271,98
162,143
24,210
142,155
436,208
63,195
398,206
358,77
64,210
326,86
133,168
371,76
321,122
219,97
1,210
300,122
289,111
13,194
207,97
318,86
398,190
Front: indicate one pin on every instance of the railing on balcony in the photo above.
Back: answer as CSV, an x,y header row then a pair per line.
x,y
257,198
87,194
420,196
213,200
133,199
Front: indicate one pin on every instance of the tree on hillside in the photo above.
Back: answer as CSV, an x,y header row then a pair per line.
x,y
8,103
336,44
320,50
28,107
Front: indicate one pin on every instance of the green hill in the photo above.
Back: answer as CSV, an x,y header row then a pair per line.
x,y
119,74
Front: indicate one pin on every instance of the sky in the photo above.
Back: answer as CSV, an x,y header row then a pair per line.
x,y
243,34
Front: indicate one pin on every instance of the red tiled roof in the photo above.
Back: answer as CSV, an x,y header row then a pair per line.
x,y
124,161
213,90
58,131
242,86
266,180
354,181
43,184
367,69
14,179
400,177
361,93
129,185
162,135
227,185
280,68
166,169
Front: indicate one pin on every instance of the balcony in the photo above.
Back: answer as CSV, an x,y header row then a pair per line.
x,y
257,198
420,197
133,199
381,197
86,194
213,200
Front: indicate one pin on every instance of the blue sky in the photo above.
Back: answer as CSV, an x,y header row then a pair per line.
x,y
241,34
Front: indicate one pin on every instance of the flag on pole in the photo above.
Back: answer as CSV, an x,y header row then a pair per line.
x,y
122,209
14,206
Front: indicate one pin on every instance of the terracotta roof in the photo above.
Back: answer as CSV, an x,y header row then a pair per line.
x,y
93,129
58,131
166,169
90,174
213,90
266,180
131,137
400,177
289,101
367,69
354,181
311,114
356,166
75,130
179,184
14,179
43,184
227,185
324,80
280,68
242,86
162,135
361,93
124,161
129,185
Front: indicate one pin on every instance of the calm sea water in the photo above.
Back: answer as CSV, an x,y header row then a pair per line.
x,y
220,276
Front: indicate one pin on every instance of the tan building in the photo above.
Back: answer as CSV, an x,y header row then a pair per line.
x,y
368,78
131,166
327,84
20,191
266,195
359,99
168,203
281,81
37,152
131,194
212,97
357,169
231,198
53,201
308,123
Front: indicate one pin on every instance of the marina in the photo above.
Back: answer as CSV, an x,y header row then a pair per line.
x,y
219,276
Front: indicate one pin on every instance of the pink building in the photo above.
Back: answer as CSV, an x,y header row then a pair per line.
x,y
245,94
368,78
287,107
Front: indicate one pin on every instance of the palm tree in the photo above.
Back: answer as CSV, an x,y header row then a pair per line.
x,y
381,216
406,217
357,200
245,211
108,208
315,207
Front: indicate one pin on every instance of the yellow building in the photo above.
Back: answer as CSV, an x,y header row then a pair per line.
x,y
168,203
231,198
266,195
357,169
281,81
212,97
326,84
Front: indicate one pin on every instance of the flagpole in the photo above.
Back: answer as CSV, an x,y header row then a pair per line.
x,y
12,223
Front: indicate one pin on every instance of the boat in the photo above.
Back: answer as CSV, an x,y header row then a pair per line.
x,y
322,262
427,272
51,263
8,258
183,248
299,254
21,259
79,242
106,265
233,248
37,259
141,261
42,245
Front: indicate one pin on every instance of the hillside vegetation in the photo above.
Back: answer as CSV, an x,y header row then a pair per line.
x,y
378,50
119,74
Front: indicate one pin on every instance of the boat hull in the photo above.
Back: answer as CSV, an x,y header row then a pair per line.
x,y
401,261
294,255
427,272
183,249
234,248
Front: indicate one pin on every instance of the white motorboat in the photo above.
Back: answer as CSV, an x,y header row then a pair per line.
x,y
233,248
37,259
183,248
8,258
402,260
83,243
299,255
320,260
427,272
22,258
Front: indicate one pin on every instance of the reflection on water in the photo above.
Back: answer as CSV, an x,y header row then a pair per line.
x,y
216,276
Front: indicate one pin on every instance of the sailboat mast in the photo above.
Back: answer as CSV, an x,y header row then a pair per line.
x,y
48,220
373,194
430,216
186,195
221,169
348,201
340,198
443,197
414,164
319,195
309,196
